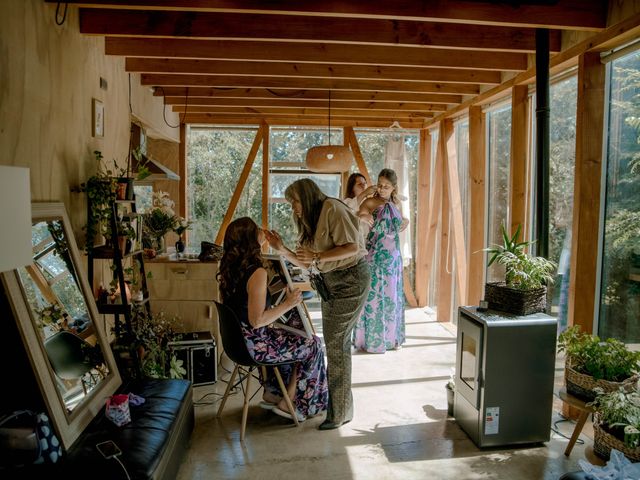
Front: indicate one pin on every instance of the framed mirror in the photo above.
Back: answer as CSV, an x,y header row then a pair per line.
x,y
59,324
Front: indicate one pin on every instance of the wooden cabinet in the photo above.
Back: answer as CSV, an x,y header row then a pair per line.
x,y
186,289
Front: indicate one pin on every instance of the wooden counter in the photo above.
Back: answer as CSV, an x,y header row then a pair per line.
x,y
186,289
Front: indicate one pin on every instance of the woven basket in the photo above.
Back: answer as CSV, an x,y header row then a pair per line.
x,y
603,442
512,300
583,386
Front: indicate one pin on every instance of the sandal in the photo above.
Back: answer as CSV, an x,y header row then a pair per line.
x,y
266,405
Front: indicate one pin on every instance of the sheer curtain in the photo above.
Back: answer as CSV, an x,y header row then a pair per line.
x,y
395,158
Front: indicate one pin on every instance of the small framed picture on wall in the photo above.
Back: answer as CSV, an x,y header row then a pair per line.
x,y
97,129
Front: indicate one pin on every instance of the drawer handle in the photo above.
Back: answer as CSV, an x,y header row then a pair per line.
x,y
181,272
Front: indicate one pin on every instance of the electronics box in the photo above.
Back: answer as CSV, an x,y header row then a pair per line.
x,y
198,352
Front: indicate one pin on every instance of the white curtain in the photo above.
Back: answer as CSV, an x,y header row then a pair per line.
x,y
395,158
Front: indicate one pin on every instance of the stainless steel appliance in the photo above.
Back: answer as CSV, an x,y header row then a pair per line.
x,y
504,376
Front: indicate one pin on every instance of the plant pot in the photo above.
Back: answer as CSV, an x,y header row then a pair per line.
x,y
583,386
604,441
520,302
180,246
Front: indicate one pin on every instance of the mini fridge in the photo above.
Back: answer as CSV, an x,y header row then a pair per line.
x,y
504,376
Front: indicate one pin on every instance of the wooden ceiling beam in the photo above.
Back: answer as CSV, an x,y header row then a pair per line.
x,y
306,83
563,14
336,96
303,112
247,26
314,53
315,70
298,120
295,103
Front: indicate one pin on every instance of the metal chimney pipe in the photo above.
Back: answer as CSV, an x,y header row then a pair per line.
x,y
542,143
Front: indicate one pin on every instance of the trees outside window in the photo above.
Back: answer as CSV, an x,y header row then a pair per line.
x,y
619,309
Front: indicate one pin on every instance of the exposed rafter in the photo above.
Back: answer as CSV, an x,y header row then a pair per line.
x,y
563,14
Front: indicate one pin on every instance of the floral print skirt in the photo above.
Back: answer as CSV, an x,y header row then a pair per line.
x,y
274,345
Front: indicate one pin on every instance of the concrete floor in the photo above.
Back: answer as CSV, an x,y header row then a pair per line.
x,y
400,428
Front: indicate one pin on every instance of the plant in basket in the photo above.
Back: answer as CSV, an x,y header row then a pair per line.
x,y
591,364
617,423
524,290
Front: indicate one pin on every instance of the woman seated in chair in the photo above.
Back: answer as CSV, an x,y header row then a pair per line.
x,y
243,288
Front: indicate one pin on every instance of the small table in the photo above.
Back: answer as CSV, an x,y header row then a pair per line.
x,y
585,411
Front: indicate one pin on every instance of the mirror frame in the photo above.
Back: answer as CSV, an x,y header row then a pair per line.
x,y
68,425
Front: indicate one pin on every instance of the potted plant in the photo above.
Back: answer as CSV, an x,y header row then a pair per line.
x,y
591,364
152,337
617,423
182,225
158,221
101,190
524,290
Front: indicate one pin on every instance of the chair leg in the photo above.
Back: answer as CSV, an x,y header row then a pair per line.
x,y
287,400
226,392
245,408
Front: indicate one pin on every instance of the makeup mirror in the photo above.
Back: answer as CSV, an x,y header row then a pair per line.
x,y
59,324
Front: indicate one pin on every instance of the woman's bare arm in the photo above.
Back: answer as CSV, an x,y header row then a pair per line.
x,y
259,316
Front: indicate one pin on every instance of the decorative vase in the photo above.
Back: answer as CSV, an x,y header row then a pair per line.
x,y
180,246
158,244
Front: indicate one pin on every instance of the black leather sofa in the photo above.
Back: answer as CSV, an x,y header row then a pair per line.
x,y
153,444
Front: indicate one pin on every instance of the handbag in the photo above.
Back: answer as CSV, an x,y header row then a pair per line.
x,y
117,409
27,438
319,285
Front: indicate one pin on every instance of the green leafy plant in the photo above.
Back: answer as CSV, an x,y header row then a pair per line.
x,y
619,412
101,192
160,219
522,271
151,337
609,360
141,163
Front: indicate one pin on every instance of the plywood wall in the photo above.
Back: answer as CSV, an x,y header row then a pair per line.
x,y
49,75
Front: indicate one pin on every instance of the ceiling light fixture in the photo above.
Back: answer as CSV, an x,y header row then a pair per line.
x,y
329,158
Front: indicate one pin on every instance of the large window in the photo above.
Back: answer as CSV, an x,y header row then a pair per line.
x,y
620,282
498,161
214,162
562,162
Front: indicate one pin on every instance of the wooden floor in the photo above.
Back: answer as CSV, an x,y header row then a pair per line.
x,y
400,429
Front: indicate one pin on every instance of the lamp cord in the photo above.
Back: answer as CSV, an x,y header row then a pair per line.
x,y
164,109
64,14
329,117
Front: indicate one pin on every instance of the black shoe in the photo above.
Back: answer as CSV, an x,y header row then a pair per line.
x,y
329,425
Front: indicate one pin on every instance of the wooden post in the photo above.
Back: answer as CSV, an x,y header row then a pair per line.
x,y
357,154
477,194
519,159
586,197
423,256
456,223
240,185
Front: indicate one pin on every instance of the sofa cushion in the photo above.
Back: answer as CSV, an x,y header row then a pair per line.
x,y
146,442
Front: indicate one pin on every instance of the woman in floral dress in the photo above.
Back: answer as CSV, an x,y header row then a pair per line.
x,y
381,324
243,286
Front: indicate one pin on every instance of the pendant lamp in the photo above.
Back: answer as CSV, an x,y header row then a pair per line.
x,y
329,158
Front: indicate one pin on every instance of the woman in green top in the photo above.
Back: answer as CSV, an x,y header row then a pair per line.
x,y
329,240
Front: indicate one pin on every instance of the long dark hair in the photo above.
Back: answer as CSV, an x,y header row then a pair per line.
x,y
241,256
311,198
351,182
390,175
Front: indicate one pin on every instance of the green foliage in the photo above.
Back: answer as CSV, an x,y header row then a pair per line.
x,y
609,360
101,192
151,337
522,271
620,409
141,162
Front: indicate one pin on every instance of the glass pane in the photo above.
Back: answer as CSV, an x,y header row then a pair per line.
x,y
562,161
468,361
620,282
498,161
290,144
214,163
